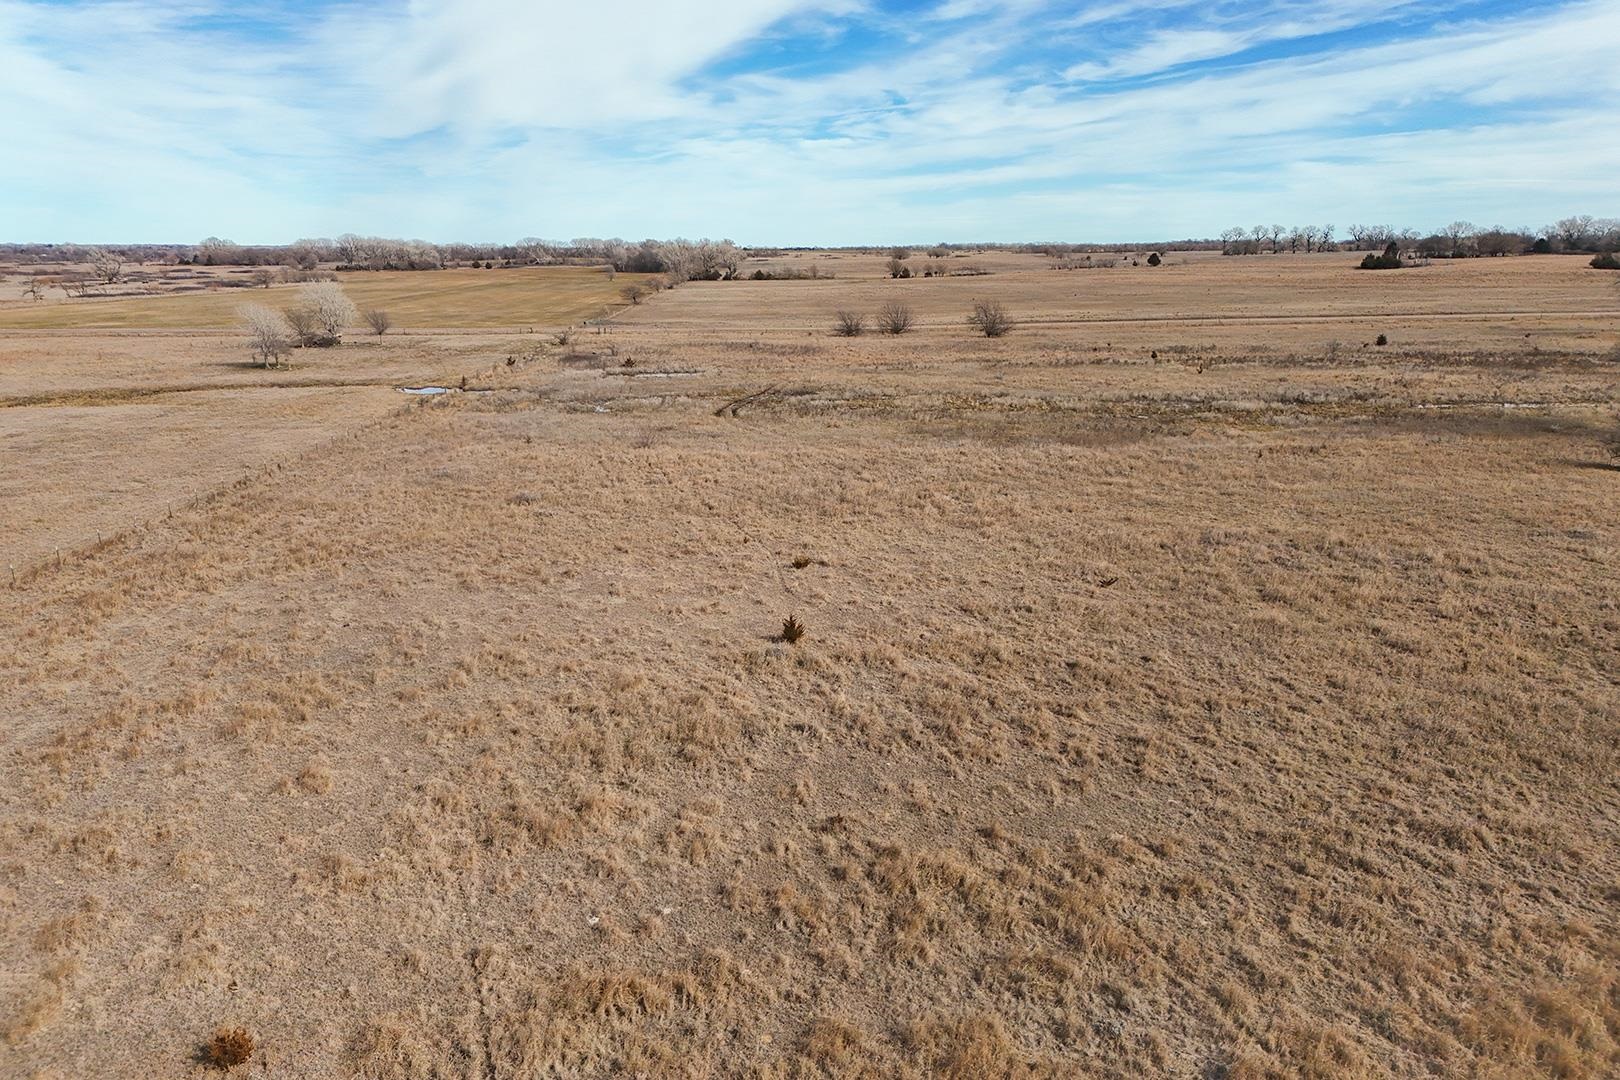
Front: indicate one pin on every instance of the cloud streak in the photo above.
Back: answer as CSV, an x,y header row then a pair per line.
x,y
796,121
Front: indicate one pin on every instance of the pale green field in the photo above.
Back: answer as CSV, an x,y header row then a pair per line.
x,y
538,296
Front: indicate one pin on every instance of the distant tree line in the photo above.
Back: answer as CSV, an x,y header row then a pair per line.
x,y
714,260
1581,233
679,260
1240,241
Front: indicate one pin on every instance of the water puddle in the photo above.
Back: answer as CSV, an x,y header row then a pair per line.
x,y
431,391
1491,405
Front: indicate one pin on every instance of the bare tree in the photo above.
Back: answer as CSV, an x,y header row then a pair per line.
x,y
302,323
269,333
108,266
1370,237
379,321
77,284
264,277
850,324
990,318
898,267
895,319
1574,231
635,293
352,249
32,291
1235,241
1459,232
322,312
1606,233
1497,241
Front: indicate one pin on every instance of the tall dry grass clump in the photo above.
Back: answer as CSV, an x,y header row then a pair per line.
x,y
849,324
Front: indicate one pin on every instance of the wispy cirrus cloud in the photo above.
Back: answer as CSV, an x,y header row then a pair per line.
x,y
796,120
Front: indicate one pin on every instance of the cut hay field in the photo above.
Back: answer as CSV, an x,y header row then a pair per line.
x,y
1248,710
444,299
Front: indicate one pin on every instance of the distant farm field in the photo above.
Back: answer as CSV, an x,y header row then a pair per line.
x,y
443,299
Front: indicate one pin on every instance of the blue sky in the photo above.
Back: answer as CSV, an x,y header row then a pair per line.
x,y
798,121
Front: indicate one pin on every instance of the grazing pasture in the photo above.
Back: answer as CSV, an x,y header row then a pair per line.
x,y
456,299
1188,685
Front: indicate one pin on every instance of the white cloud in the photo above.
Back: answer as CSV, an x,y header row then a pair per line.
x,y
477,65
1165,49
497,118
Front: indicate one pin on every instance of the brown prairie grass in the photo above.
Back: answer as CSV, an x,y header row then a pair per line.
x,y
447,298
230,1047
1248,721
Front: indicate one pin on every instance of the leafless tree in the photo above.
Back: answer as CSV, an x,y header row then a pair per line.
x,y
1370,237
635,293
534,250
895,319
850,324
108,265
379,321
352,249
269,333
77,284
302,323
32,291
990,318
1575,231
308,254
1498,241
321,313
1459,232
1235,241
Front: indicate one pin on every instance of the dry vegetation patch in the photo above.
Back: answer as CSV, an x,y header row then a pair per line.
x,y
531,296
1246,720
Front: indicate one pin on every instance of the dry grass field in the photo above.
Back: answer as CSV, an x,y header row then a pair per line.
x,y
456,299
1190,687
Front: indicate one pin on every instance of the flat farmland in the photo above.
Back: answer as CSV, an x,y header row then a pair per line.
x,y
457,299
1263,301
1190,686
